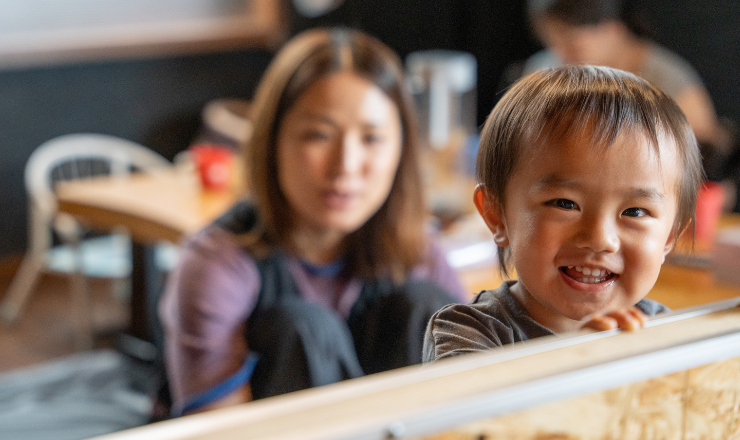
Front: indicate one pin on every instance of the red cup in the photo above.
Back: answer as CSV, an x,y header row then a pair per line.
x,y
214,164
709,203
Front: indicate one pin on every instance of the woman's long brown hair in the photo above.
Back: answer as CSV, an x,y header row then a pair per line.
x,y
392,241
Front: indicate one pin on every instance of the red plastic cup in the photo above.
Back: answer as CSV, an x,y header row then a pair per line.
x,y
214,164
709,203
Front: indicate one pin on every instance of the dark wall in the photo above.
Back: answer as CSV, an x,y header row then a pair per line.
x,y
494,31
705,32
157,102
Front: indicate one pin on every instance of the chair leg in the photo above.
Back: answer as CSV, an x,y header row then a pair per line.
x,y
21,287
122,289
82,311
81,302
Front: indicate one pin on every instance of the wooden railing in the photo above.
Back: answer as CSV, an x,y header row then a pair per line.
x,y
490,394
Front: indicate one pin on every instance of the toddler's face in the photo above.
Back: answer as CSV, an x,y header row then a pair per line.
x,y
589,228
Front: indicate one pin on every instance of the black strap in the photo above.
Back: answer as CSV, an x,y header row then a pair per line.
x,y
239,219
279,287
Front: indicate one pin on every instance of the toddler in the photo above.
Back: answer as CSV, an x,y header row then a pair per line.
x,y
586,178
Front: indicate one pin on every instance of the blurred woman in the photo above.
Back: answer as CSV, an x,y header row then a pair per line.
x,y
326,272
611,33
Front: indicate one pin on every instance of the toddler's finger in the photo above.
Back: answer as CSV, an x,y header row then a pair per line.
x,y
626,320
601,323
638,314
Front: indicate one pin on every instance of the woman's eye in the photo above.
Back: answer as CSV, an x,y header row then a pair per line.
x,y
372,138
316,135
563,204
634,212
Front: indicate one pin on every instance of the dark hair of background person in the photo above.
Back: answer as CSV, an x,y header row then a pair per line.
x,y
592,12
392,241
600,103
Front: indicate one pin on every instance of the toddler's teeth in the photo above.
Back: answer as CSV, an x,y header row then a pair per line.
x,y
579,268
596,272
586,271
570,267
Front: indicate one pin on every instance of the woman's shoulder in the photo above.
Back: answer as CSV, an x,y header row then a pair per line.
x,y
213,273
214,245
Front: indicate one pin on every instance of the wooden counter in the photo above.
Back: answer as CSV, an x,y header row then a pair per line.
x,y
504,394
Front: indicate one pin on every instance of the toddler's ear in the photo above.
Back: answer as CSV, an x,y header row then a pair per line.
x,y
671,242
492,215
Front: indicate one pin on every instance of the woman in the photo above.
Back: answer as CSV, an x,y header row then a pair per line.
x,y
326,273
610,33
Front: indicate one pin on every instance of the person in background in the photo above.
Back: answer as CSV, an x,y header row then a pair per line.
x,y
612,33
327,271
586,178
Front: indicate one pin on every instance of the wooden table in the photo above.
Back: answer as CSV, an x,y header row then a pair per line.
x,y
163,206
167,205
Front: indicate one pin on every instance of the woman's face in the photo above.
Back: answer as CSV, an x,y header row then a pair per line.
x,y
338,149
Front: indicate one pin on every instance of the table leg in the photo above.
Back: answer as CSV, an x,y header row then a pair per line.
x,y
138,326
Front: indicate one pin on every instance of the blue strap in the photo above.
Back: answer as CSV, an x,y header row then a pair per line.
x,y
222,389
326,270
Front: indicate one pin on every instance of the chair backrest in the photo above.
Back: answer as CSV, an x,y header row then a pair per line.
x,y
79,156
84,155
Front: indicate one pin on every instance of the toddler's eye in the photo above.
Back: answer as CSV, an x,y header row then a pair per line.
x,y
563,203
634,212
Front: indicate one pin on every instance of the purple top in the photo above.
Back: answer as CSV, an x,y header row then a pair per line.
x,y
212,292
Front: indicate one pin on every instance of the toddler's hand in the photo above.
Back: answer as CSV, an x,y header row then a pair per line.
x,y
630,319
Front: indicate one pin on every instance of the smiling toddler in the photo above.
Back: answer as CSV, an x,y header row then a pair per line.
x,y
586,178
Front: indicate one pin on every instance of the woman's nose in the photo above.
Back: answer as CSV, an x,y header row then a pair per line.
x,y
598,234
350,155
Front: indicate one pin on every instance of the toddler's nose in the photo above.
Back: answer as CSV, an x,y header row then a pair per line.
x,y
598,234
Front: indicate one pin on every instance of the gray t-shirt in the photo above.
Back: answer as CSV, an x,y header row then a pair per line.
x,y
492,319
661,67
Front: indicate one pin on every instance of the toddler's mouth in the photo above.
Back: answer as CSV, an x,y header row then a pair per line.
x,y
587,275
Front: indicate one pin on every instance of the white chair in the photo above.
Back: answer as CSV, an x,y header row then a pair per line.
x,y
71,157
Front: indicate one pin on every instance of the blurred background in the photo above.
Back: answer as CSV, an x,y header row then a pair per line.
x,y
146,71
155,95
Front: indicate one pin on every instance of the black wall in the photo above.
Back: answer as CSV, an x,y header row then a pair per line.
x,y
157,102
707,33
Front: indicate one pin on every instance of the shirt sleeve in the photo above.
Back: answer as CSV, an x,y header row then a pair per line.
x,y
492,319
650,307
456,330
207,300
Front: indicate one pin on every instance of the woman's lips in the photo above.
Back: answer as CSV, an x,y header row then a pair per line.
x,y
339,199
